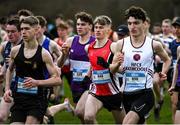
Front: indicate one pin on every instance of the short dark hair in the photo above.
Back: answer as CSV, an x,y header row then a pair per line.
x,y
136,12
25,12
103,20
86,17
31,20
14,21
42,21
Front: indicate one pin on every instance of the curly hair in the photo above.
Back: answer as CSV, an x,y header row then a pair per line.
x,y
136,12
14,21
84,17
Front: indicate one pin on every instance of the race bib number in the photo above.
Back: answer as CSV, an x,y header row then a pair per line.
x,y
101,76
135,81
22,89
79,74
138,78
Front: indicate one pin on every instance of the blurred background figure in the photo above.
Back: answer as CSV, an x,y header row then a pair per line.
x,y
122,31
156,29
112,34
166,36
24,13
147,27
58,19
70,24
3,33
62,30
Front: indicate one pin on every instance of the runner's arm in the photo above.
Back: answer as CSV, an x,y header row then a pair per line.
x,y
65,52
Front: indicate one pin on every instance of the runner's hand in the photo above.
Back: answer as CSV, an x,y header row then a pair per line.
x,y
170,90
65,49
8,96
30,82
162,76
118,58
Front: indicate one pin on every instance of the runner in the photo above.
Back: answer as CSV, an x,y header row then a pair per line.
x,y
30,60
104,90
14,36
79,62
175,87
138,98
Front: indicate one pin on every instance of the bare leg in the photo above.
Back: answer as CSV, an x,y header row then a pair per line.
x,y
177,117
174,100
17,123
118,115
131,118
156,87
5,110
92,107
80,107
32,120
158,96
56,108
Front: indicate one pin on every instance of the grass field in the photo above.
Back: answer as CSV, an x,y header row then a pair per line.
x,y
105,117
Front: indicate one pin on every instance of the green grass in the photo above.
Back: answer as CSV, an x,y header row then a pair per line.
x,y
105,117
165,114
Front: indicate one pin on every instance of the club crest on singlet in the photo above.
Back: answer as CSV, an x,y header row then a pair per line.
x,y
136,57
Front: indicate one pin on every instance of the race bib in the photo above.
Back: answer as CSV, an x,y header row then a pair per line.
x,y
79,74
101,76
22,89
135,81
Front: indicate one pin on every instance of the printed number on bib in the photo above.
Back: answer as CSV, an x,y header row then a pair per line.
x,y
79,74
22,89
101,76
135,78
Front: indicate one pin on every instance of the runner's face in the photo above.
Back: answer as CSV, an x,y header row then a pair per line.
x,y
13,33
156,30
82,27
28,32
101,31
177,31
136,26
62,32
166,28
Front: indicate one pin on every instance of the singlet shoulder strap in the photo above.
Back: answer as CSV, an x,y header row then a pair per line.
x,y
75,39
46,43
7,49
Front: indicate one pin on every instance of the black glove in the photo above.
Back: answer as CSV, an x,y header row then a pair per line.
x,y
86,80
102,62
